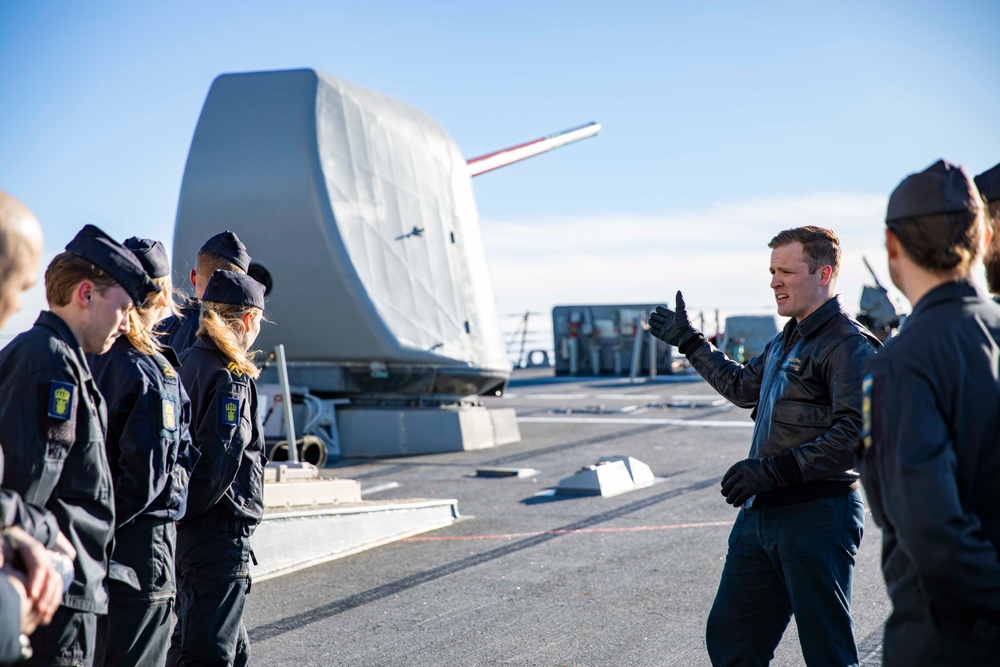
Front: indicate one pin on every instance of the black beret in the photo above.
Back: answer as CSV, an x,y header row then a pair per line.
x,y
988,183
235,289
151,254
98,248
227,245
941,188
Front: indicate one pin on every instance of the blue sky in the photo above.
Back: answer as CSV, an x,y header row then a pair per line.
x,y
723,122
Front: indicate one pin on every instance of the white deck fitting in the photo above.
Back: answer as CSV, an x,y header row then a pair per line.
x,y
608,477
287,541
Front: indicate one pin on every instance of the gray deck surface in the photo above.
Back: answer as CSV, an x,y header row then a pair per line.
x,y
532,580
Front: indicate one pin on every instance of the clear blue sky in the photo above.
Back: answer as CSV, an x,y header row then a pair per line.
x,y
705,107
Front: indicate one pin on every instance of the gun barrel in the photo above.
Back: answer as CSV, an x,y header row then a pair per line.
x,y
872,271
501,158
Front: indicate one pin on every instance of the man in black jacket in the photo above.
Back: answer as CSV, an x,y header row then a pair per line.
x,y
53,421
793,545
931,450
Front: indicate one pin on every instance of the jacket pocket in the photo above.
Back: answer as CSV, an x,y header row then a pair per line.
x,y
795,413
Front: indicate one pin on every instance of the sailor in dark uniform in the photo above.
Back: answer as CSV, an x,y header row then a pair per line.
x,y
988,183
225,498
222,252
930,452
151,457
53,421
30,588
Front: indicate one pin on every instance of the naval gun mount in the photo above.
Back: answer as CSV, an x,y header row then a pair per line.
x,y
359,214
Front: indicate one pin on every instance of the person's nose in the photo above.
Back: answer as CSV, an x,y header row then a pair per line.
x,y
125,326
775,281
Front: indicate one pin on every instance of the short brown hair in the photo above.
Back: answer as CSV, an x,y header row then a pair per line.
x,y
941,242
207,262
819,245
66,271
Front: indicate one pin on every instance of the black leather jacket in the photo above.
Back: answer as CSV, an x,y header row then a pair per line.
x,y
227,484
805,391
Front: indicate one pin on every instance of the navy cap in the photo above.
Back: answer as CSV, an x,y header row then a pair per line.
x,y
98,248
151,254
235,289
227,245
941,188
988,183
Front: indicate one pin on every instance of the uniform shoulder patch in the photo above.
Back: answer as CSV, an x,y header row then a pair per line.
x,y
234,369
230,410
168,370
61,396
169,415
866,411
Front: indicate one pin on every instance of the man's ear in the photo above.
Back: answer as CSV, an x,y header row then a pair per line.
x,y
891,244
83,293
194,278
825,274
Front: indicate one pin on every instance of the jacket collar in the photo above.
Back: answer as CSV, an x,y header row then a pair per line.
x,y
58,325
819,317
949,291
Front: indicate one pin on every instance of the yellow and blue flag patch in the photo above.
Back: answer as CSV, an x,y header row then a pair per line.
x,y
230,411
61,399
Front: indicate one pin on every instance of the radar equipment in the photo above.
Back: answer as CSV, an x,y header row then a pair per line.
x,y
358,211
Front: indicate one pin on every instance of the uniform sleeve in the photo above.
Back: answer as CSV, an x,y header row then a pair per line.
x,y
10,623
187,454
142,456
36,521
739,383
38,414
834,451
217,435
955,562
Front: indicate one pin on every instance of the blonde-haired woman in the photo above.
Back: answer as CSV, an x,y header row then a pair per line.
x,y
150,455
225,502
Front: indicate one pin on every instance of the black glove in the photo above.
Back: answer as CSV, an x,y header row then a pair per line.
x,y
672,327
748,478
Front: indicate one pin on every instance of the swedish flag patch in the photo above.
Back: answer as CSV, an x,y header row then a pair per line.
x,y
61,399
230,411
866,411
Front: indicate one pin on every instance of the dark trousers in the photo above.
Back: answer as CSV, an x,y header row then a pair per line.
x,y
213,575
136,631
797,559
68,641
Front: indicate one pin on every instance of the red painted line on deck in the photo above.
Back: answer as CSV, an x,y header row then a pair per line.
x,y
509,536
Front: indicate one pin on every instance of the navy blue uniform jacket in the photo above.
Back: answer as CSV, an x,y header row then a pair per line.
x,y
227,485
930,465
52,427
148,443
179,333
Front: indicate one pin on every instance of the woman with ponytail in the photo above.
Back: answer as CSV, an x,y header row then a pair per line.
x,y
225,502
150,454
